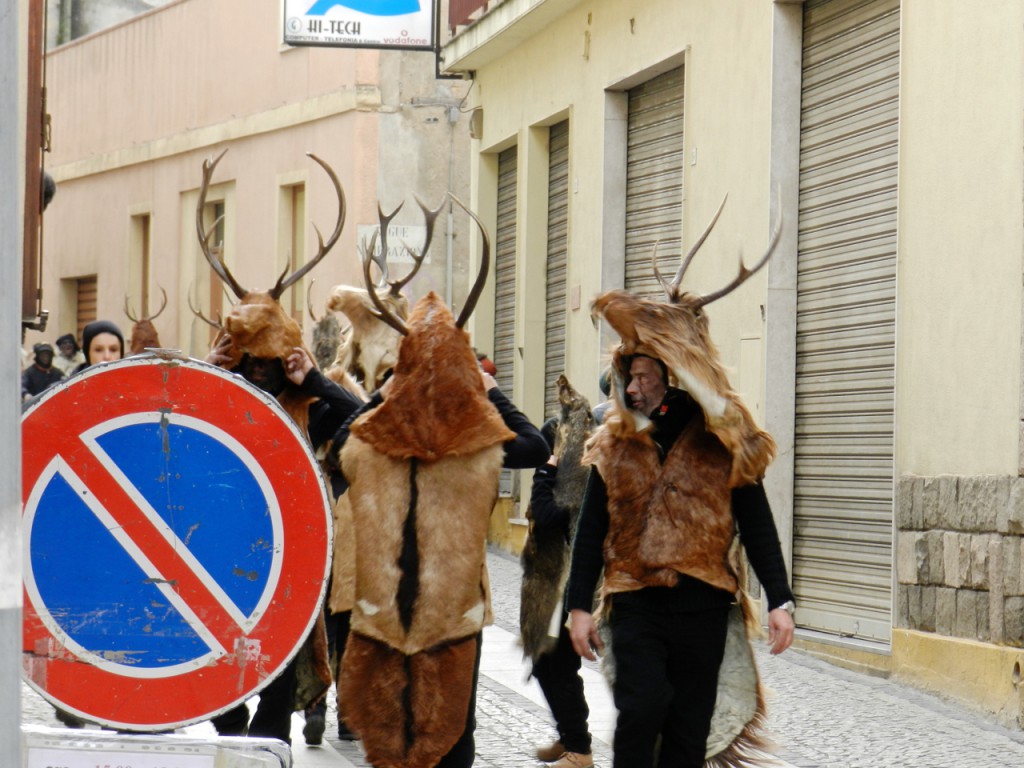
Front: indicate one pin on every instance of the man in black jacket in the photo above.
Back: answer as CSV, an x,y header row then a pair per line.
x,y
41,374
659,515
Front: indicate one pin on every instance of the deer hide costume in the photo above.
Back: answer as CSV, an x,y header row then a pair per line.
x,y
546,552
424,468
144,335
258,326
675,515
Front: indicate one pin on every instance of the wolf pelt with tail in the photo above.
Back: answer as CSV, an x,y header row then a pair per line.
x,y
545,556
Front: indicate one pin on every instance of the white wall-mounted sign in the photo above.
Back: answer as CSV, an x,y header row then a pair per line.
x,y
93,758
400,237
360,23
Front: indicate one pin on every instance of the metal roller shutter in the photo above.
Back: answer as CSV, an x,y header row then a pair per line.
x,y
846,301
654,180
85,304
558,247
505,270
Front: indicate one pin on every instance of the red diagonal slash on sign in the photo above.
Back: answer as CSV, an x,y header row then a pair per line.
x,y
134,528
60,434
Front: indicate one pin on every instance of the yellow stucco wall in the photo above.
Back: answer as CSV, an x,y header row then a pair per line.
x,y
958,376
577,68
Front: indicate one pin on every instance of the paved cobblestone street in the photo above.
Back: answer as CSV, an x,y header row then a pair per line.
x,y
821,716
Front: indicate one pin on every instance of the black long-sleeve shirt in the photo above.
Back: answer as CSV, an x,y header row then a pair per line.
x,y
527,449
749,507
333,408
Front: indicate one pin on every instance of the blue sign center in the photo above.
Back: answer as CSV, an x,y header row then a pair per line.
x,y
101,596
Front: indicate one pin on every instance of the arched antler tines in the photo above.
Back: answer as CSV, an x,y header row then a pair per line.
x,y
309,302
218,324
672,288
485,265
217,264
382,312
150,318
283,283
372,256
745,273
429,217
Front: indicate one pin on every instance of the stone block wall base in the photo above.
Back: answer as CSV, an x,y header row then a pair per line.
x,y
503,530
980,676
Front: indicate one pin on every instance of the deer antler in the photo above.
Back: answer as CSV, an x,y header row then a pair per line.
x,y
382,312
128,312
163,305
370,256
485,264
745,273
204,237
282,282
672,289
309,302
219,325
430,216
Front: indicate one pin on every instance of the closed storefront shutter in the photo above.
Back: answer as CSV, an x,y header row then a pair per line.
x,y
846,300
505,271
85,304
654,180
558,247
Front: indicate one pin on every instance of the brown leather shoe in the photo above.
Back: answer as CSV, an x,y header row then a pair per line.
x,y
573,760
551,752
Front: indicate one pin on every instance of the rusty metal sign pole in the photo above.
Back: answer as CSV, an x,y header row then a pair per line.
x,y
12,17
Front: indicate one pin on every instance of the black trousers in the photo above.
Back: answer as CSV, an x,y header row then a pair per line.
x,y
667,658
557,672
273,717
338,625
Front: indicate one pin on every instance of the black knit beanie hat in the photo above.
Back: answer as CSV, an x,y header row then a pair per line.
x,y
68,337
94,329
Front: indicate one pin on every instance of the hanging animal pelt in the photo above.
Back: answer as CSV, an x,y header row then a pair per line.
x,y
424,469
546,552
327,333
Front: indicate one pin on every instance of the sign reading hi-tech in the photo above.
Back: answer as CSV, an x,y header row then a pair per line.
x,y
360,23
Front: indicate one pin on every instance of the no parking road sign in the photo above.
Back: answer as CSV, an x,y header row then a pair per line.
x,y
176,537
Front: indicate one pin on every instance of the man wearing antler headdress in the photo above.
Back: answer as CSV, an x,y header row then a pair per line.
x,y
259,341
676,470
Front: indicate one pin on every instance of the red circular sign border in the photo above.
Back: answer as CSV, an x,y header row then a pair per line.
x,y
85,401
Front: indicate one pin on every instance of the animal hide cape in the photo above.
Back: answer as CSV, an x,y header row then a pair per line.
x,y
677,515
423,470
545,556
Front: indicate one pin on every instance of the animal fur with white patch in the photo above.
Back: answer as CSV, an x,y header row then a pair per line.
x,y
424,469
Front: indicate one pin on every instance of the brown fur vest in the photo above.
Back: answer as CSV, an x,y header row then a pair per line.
x,y
674,518
666,518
